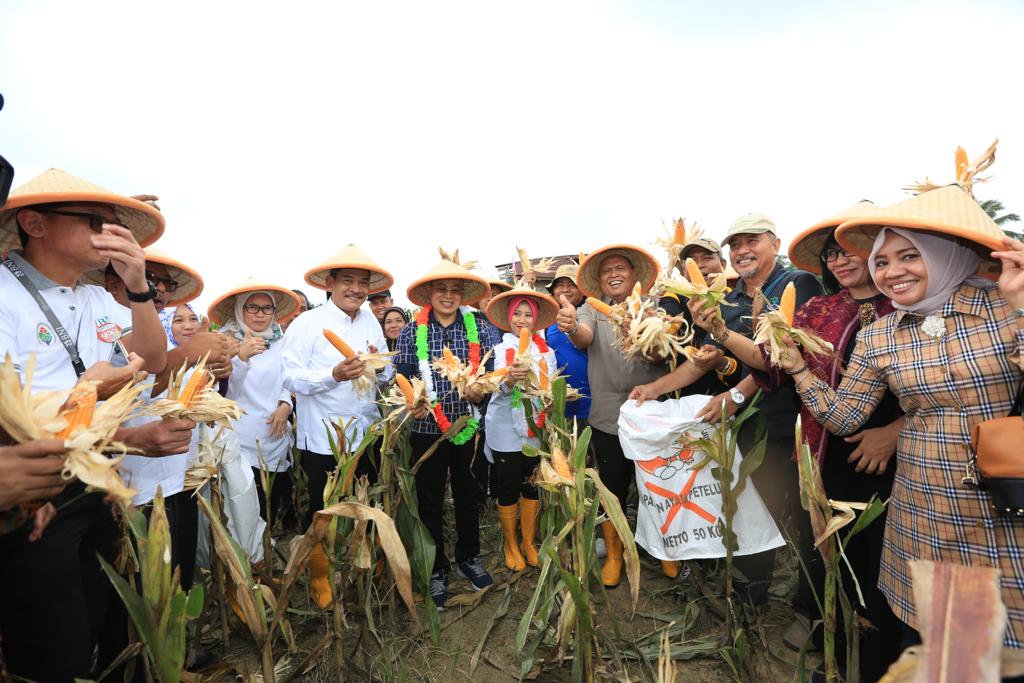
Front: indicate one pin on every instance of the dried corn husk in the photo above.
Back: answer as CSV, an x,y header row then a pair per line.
x,y
772,326
206,405
206,463
544,265
462,377
645,330
454,258
966,173
714,292
27,417
397,404
677,238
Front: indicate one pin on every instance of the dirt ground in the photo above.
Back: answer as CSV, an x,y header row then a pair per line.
x,y
472,648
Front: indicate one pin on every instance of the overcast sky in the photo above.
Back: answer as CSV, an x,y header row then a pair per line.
x,y
276,133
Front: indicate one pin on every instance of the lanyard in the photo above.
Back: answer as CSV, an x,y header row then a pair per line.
x,y
62,334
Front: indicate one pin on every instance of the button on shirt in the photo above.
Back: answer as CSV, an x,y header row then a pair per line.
x,y
308,360
258,386
90,315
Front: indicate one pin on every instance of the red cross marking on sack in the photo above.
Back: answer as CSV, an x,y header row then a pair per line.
x,y
679,502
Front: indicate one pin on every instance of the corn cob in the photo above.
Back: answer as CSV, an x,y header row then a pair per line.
x,y
524,340
636,301
403,384
961,163
680,233
787,304
449,357
561,465
543,380
694,275
673,327
600,306
79,408
339,343
196,381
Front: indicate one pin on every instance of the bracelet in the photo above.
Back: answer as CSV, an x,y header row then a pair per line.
x,y
797,371
721,338
575,328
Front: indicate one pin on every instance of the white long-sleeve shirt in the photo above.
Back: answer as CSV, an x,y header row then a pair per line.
x,y
505,426
308,360
257,385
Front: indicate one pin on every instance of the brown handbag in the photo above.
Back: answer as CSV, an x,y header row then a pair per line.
x,y
999,459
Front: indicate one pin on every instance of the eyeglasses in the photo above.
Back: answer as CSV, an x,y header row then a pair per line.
x,y
833,253
256,308
96,221
169,284
447,290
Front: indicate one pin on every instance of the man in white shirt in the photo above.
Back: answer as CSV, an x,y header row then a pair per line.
x,y
53,592
321,377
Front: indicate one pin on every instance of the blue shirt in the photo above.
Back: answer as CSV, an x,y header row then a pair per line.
x,y
438,337
573,364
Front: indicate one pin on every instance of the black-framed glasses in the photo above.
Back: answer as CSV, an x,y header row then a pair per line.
x,y
256,308
96,221
169,284
833,253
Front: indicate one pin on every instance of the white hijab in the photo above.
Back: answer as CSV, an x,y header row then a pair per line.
x,y
949,264
239,329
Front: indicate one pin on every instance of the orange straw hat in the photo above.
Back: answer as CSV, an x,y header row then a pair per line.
x,y
190,284
547,309
355,258
948,210
644,265
474,286
805,249
285,301
55,186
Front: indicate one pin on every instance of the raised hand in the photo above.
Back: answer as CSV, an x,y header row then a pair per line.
x,y
566,318
117,243
251,346
1011,280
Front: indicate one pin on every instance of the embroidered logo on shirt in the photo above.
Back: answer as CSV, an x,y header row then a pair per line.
x,y
43,334
107,331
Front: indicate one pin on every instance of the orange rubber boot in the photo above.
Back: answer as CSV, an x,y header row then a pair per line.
x,y
507,516
611,572
319,577
529,514
670,568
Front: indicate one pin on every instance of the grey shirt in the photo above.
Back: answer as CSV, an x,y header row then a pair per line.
x,y
611,376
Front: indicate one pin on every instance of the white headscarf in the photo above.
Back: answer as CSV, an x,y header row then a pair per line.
x,y
239,329
949,264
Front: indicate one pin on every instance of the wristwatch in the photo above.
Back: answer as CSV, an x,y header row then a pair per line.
x,y
149,295
737,396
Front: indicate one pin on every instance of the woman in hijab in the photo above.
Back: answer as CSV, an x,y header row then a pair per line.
x,y
395,319
249,315
950,355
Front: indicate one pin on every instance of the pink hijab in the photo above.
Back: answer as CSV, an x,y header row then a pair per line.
x,y
513,304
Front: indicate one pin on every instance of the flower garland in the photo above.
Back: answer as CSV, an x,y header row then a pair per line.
x,y
517,394
427,374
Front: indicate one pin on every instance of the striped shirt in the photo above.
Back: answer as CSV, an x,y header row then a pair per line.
x,y
945,385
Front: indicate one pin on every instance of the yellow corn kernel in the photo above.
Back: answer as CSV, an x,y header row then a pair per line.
x,y
524,340
78,409
543,380
560,463
339,343
680,233
195,384
694,275
787,304
403,384
449,357
600,306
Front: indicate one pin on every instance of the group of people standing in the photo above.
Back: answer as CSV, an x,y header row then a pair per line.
x,y
925,348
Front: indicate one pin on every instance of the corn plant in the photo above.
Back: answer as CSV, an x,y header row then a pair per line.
x,y
828,517
162,609
575,502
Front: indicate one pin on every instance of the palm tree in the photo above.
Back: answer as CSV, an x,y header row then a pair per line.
x,y
993,207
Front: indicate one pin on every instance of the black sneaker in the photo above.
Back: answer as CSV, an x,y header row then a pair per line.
x,y
474,571
439,588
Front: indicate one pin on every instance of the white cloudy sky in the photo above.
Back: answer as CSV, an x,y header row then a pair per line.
x,y
275,133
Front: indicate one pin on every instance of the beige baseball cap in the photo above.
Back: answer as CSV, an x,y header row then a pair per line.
x,y
751,224
704,243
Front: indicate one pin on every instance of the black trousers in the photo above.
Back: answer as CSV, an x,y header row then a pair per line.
x,y
483,472
54,597
280,497
183,521
513,474
317,466
448,461
617,471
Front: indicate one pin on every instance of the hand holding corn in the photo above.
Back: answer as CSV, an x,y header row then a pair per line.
x,y
704,313
30,471
111,379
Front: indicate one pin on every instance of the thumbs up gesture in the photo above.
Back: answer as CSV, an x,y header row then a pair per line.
x,y
251,346
566,319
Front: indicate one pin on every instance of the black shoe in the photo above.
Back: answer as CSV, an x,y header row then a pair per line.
x,y
474,571
439,588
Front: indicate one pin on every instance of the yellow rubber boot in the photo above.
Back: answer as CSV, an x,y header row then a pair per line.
x,y
529,513
611,572
670,568
319,579
507,516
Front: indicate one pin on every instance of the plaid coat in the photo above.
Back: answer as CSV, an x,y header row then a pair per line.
x,y
945,385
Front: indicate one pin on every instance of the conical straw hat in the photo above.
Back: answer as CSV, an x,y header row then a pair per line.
x,y
805,249
190,284
223,307
645,267
947,210
56,186
351,257
474,286
547,309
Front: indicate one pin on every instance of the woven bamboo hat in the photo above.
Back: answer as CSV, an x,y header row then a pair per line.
x,y
547,309
56,186
805,249
948,210
223,307
351,257
645,267
474,286
190,284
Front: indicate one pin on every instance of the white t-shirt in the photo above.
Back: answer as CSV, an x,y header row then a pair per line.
x,y
505,426
257,385
308,360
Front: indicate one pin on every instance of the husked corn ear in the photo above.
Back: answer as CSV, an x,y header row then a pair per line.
x,y
524,340
961,163
542,375
339,343
403,384
674,326
680,232
78,409
449,357
787,304
636,301
694,275
196,381
560,463
600,306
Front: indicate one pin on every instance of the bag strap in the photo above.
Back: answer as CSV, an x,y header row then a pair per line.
x,y
62,334
1018,403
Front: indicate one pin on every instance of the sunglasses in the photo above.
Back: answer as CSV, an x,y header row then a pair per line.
x,y
169,284
256,308
96,221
